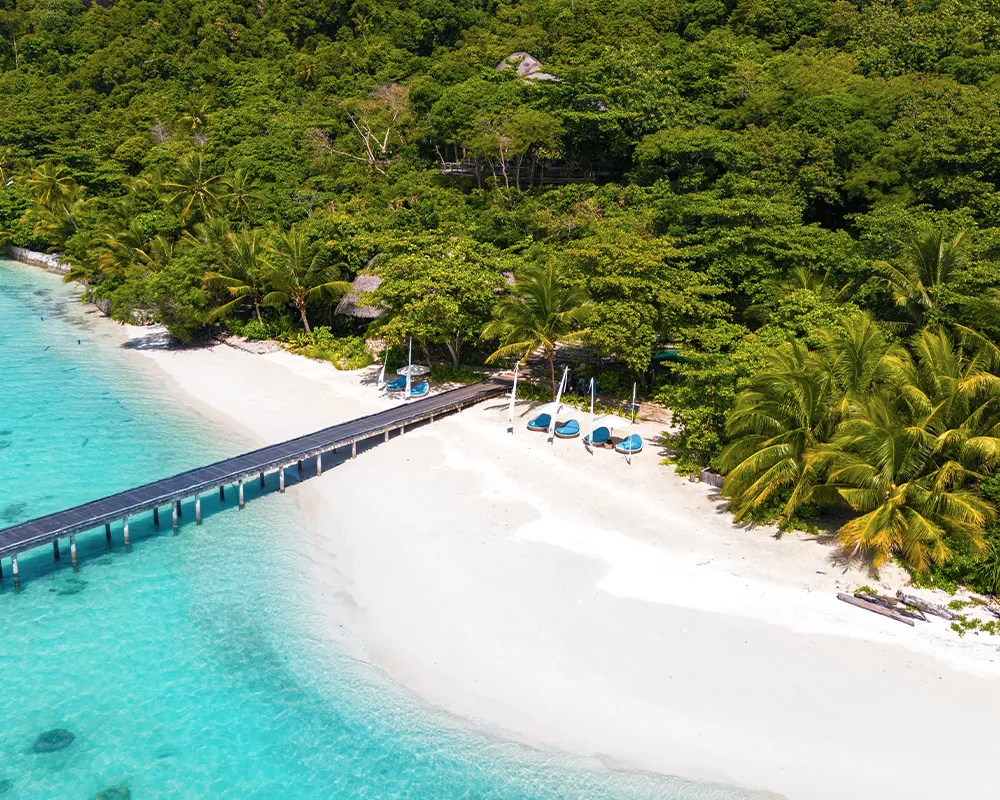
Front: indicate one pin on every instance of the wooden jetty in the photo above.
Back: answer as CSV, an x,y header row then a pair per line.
x,y
196,482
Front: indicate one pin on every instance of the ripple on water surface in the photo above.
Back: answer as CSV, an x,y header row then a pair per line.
x,y
187,668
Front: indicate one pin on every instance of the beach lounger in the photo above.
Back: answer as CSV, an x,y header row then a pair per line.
x,y
602,438
420,389
630,446
569,430
397,385
540,423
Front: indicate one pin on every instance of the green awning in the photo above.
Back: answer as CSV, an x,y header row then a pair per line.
x,y
670,354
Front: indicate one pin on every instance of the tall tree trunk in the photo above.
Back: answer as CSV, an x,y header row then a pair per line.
x,y
453,349
256,308
305,319
427,353
75,226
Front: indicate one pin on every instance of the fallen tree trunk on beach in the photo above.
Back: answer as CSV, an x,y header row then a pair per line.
x,y
892,604
923,605
874,607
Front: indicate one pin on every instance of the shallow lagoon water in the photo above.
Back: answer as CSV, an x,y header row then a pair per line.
x,y
192,666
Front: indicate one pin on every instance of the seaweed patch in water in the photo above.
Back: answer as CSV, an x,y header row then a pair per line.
x,y
71,587
13,511
5,786
115,793
53,740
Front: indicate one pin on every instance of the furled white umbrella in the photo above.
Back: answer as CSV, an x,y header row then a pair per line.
x,y
590,436
409,370
562,385
414,370
513,397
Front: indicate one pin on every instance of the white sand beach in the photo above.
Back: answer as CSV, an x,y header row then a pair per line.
x,y
578,602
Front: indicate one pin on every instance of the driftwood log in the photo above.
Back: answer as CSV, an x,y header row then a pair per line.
x,y
923,605
874,607
891,603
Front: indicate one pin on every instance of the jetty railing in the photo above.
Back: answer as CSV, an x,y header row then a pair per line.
x,y
277,457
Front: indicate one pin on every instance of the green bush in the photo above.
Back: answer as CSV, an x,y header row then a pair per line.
x,y
254,329
446,373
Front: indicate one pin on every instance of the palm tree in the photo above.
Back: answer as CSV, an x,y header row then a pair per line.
x,y
240,194
932,261
777,425
911,452
543,311
909,504
244,254
191,189
55,189
295,277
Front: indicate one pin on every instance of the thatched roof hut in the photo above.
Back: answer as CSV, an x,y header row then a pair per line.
x,y
364,282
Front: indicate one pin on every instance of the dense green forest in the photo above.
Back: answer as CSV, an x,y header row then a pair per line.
x,y
801,195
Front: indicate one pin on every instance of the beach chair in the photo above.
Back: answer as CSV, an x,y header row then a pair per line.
x,y
540,423
630,446
397,385
568,430
602,438
420,389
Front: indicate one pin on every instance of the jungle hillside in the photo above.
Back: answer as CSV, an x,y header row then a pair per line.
x,y
797,200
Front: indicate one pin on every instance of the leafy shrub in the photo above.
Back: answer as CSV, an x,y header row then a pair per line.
x,y
446,373
253,329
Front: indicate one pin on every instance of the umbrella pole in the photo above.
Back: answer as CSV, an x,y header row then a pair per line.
x,y
589,441
552,422
513,395
409,367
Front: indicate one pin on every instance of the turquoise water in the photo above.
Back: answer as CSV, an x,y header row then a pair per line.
x,y
189,666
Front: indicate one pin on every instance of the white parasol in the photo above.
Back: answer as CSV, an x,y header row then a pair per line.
x,y
414,370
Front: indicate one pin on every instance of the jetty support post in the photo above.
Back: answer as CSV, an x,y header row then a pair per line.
x,y
222,493
402,429
387,435
107,531
156,516
354,449
197,509
300,466
55,549
281,479
17,575
242,501
173,514
319,464
125,526
72,550
262,480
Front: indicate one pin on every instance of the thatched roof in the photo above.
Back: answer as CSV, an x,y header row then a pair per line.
x,y
364,282
528,67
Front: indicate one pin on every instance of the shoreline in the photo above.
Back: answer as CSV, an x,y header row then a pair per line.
x,y
645,631
575,603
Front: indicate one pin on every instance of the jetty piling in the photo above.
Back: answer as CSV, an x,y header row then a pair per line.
x,y
222,493
156,516
193,483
